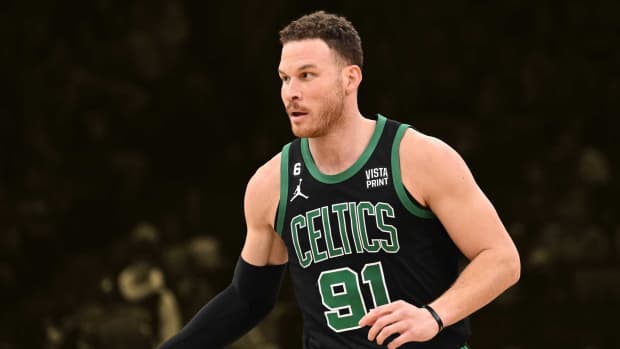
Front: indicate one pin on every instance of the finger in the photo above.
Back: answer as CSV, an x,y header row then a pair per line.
x,y
398,341
366,320
381,322
372,315
394,328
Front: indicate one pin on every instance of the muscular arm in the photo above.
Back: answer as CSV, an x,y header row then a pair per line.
x,y
439,178
262,245
258,274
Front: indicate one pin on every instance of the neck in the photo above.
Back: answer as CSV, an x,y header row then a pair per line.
x,y
343,144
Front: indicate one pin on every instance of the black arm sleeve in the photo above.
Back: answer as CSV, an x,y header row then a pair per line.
x,y
234,311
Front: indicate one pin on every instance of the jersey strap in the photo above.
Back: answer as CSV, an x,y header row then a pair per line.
x,y
283,188
405,199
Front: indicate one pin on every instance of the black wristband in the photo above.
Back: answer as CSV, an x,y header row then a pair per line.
x,y
435,315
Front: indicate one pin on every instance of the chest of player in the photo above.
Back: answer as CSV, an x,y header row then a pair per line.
x,y
330,221
355,212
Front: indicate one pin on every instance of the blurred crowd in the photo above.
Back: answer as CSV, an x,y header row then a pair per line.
x,y
129,129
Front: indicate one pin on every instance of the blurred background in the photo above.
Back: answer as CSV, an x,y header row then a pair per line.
x,y
129,129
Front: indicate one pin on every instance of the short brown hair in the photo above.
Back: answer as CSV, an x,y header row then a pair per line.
x,y
336,31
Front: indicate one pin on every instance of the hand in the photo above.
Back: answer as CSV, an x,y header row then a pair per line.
x,y
412,323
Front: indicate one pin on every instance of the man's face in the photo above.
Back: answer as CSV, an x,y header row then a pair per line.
x,y
312,89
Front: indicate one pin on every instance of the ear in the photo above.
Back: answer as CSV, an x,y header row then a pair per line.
x,y
352,77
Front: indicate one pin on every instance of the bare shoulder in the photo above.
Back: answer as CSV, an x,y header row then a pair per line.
x,y
267,176
262,193
431,150
430,165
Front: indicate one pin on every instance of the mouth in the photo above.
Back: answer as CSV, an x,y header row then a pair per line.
x,y
296,114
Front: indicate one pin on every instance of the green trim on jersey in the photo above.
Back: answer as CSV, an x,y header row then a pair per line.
x,y
348,173
283,188
398,182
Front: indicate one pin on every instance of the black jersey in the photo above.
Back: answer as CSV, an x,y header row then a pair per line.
x,y
357,240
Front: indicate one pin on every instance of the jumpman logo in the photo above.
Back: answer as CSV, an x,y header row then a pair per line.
x,y
298,192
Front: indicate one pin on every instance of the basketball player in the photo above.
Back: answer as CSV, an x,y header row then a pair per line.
x,y
370,216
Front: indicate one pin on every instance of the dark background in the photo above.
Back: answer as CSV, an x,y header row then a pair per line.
x,y
129,129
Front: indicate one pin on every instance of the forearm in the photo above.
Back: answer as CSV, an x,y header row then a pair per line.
x,y
217,324
487,275
234,311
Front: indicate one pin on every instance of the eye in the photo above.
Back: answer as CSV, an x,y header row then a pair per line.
x,y
284,78
307,75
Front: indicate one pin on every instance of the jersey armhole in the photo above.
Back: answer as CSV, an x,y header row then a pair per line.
x,y
404,196
281,211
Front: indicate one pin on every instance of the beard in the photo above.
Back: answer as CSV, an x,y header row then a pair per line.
x,y
329,114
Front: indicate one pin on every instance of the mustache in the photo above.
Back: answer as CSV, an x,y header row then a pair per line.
x,y
295,106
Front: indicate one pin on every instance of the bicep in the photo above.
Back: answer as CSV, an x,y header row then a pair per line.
x,y
470,219
449,189
263,246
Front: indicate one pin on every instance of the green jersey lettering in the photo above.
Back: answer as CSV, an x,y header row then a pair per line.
x,y
322,238
355,231
331,250
339,210
362,207
382,209
298,222
315,234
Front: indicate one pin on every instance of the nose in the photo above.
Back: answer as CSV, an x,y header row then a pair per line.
x,y
291,91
